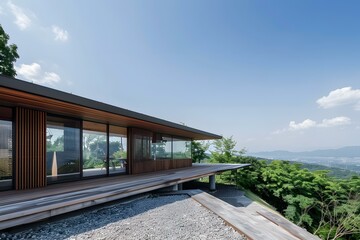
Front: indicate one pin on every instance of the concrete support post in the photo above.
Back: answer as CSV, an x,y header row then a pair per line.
x,y
180,186
212,183
174,187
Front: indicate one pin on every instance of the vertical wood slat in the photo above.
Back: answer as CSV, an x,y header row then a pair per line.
x,y
30,156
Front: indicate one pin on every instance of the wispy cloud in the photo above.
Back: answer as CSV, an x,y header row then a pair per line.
x,y
60,34
50,78
308,123
21,19
33,72
333,122
339,97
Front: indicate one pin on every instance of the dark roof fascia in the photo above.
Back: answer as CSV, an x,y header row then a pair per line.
x,y
43,91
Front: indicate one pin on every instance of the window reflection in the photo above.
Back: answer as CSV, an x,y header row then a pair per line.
x,y
62,149
181,148
117,149
161,147
94,149
5,154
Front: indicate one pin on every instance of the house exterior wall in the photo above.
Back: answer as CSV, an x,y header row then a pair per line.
x,y
35,165
48,136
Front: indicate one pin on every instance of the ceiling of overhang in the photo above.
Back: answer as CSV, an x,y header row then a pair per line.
x,y
54,106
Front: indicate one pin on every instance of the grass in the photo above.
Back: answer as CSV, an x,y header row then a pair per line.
x,y
257,199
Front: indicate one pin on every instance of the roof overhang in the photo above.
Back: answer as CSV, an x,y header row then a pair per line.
x,y
15,92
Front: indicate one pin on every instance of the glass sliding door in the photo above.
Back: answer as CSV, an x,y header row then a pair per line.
x,y
6,160
62,149
94,149
117,149
181,148
161,147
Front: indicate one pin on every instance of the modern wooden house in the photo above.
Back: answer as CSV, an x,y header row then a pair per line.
x,y
48,136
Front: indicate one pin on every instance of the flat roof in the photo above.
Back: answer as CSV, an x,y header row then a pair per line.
x,y
78,107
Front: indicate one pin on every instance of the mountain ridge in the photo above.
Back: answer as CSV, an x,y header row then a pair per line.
x,y
347,151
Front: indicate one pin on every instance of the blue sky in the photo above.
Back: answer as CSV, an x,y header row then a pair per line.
x,y
272,74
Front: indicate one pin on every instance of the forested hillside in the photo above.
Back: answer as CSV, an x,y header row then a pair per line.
x,y
326,206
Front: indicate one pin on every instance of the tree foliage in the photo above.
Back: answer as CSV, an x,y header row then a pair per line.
x,y
225,151
198,149
328,207
8,55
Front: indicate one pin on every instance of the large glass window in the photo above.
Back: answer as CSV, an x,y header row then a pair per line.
x,y
6,161
117,149
94,149
142,147
181,148
161,147
62,149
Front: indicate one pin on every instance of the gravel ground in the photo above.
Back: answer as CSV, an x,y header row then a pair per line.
x,y
163,217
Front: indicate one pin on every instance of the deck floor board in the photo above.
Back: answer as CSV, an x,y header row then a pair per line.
x,y
254,221
25,206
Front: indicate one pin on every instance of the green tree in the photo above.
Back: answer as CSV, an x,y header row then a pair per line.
x,y
340,219
198,149
328,207
298,209
8,55
250,177
225,151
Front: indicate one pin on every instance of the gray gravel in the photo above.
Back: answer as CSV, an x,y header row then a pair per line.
x,y
164,217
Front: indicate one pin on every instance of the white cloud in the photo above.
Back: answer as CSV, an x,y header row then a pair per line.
x,y
337,121
60,34
308,123
339,97
51,78
30,72
21,19
34,73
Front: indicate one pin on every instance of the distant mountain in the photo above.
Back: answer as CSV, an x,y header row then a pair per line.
x,y
346,152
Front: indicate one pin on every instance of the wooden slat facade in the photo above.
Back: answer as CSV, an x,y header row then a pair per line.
x,y
30,147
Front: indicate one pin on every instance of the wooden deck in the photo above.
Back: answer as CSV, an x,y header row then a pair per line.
x,y
26,206
254,221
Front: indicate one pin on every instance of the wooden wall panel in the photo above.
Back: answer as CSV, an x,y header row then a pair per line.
x,y
30,157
